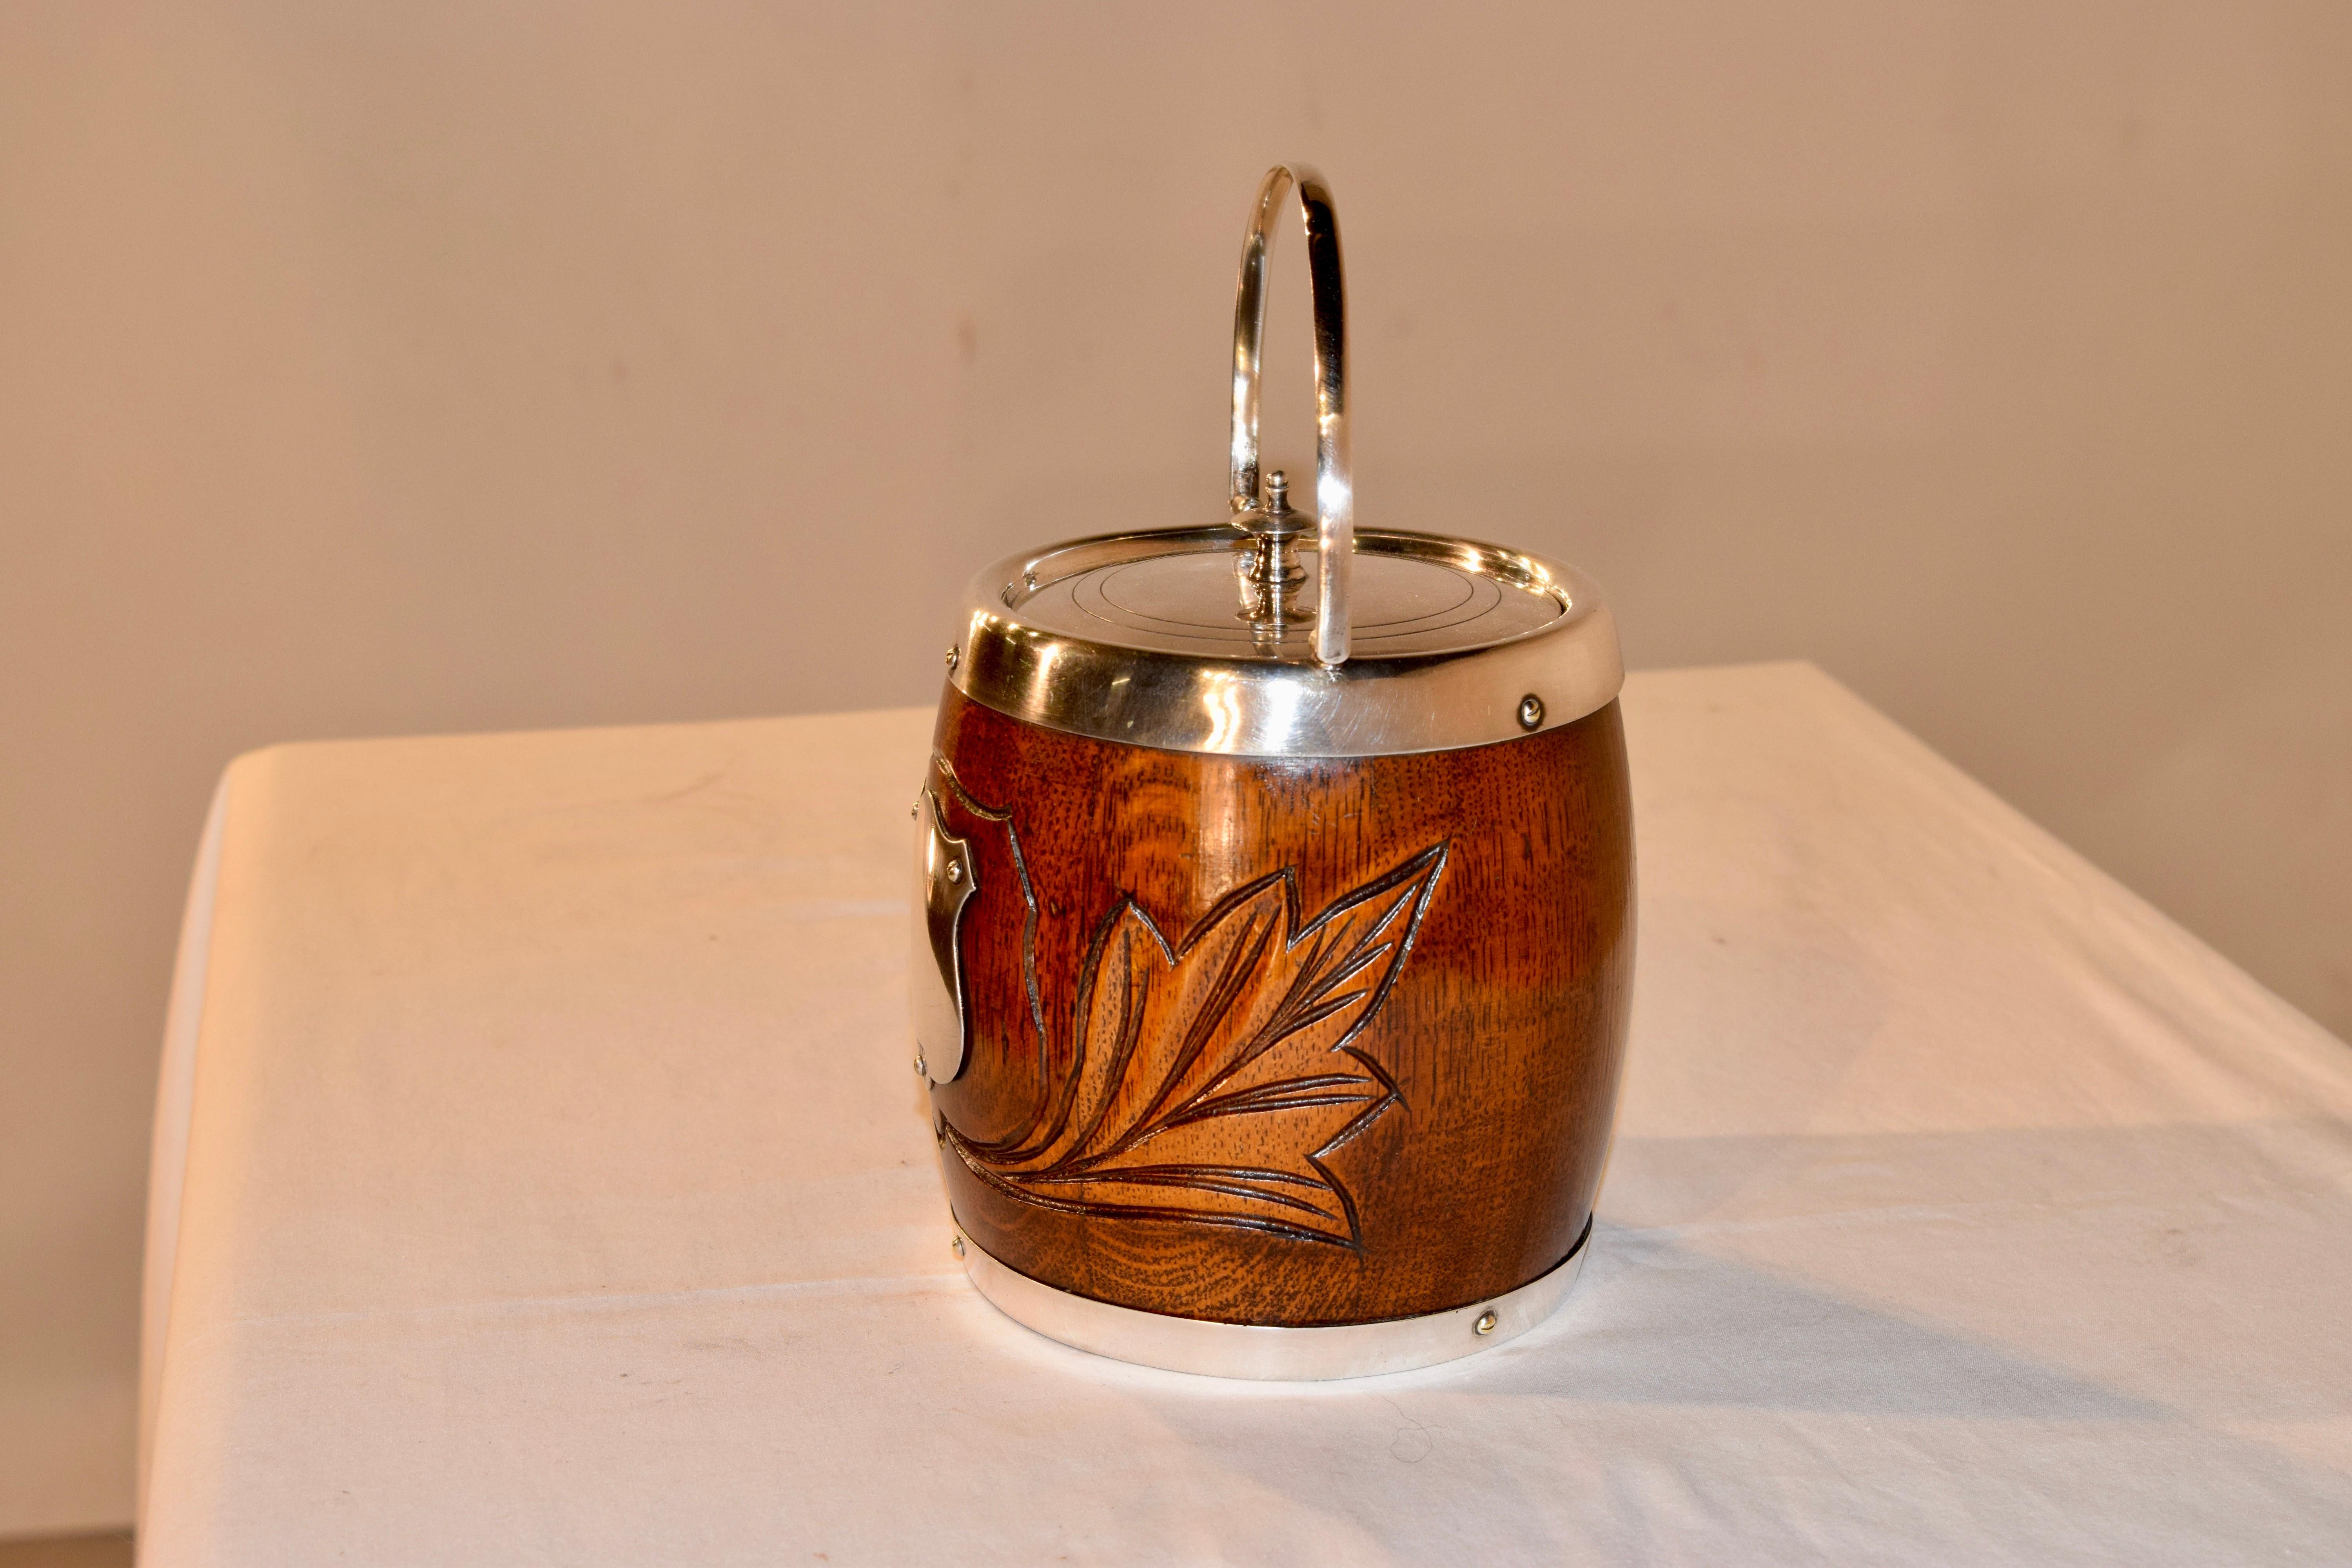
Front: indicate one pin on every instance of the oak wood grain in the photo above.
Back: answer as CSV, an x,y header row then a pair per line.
x,y
1284,1041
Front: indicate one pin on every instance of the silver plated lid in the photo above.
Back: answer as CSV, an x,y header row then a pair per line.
x,y
1206,639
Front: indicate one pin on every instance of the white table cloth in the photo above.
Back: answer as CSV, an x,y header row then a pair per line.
x,y
540,1179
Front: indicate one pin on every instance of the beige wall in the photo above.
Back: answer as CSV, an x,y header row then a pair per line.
x,y
403,367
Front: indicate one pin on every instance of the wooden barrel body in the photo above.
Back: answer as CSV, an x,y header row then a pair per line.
x,y
1292,1042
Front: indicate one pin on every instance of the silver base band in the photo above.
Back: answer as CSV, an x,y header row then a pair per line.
x,y
1248,1349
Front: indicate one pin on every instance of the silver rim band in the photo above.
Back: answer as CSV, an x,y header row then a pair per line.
x,y
1247,1350
1370,706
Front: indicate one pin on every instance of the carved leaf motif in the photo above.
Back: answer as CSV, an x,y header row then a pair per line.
x,y
1213,1075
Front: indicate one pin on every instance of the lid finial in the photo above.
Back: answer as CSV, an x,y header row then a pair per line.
x,y
1270,575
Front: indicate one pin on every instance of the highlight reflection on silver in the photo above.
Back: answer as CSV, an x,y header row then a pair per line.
x,y
1221,711
1335,495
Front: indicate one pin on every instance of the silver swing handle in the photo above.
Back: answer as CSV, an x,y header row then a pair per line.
x,y
1335,495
